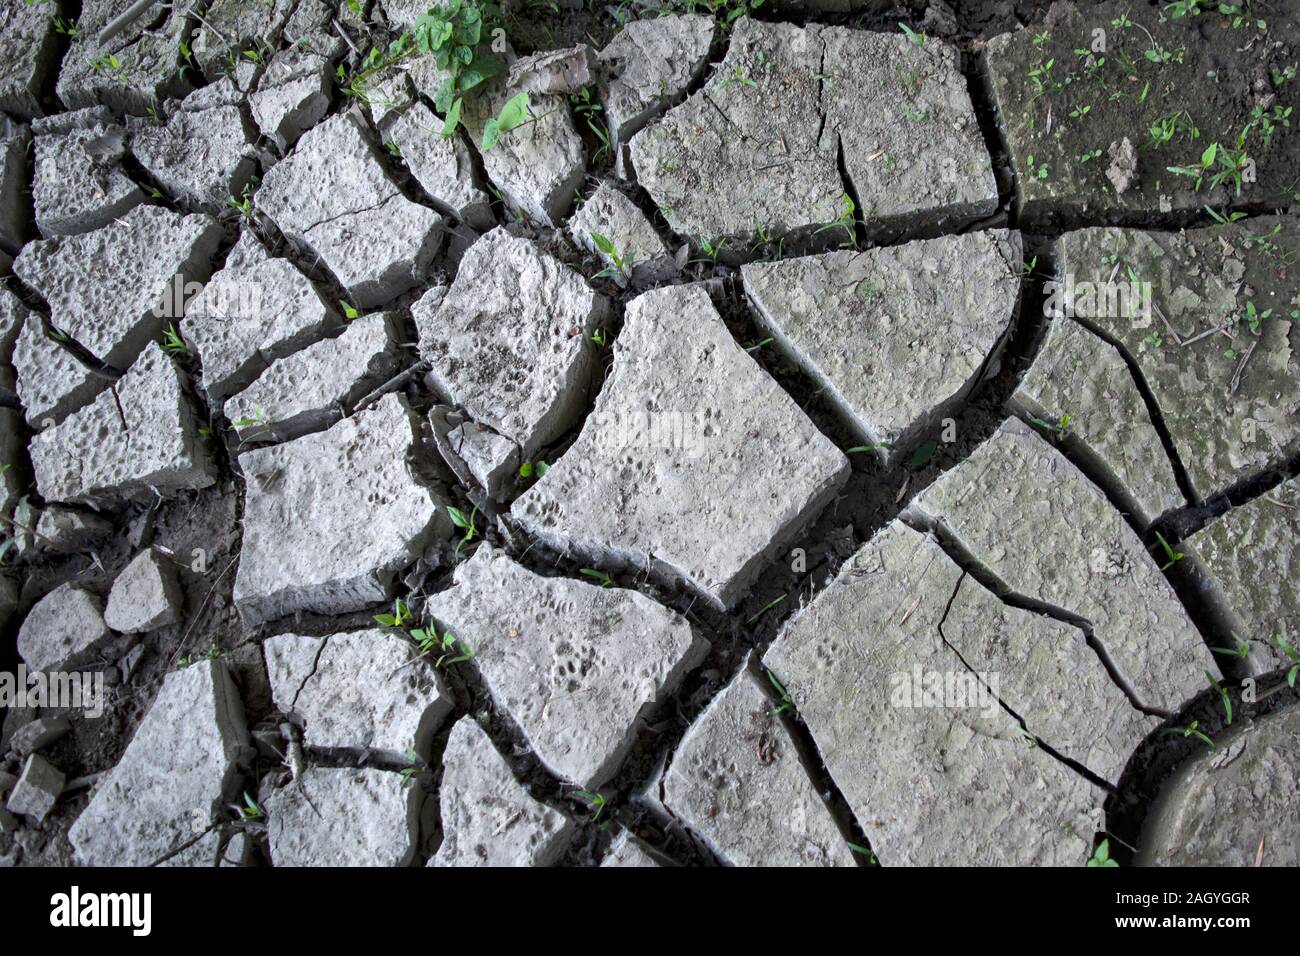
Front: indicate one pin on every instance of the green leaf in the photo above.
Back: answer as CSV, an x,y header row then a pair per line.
x,y
459,518
514,112
349,310
923,454
491,134
1207,157
453,118
604,245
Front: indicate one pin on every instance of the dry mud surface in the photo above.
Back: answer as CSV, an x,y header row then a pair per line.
x,y
837,434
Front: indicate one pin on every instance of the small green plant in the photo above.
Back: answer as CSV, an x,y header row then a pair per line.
x,y
596,801
863,852
917,38
1192,730
622,266
601,576
1184,8
738,76
453,649
400,617
1101,855
528,469
600,338
1242,649
864,449
414,766
786,701
1224,218
1254,317
244,203
1173,556
1292,653
466,523
250,811
1224,696
711,249
172,342
1089,156
1060,428
350,311
1218,165
844,220
1035,170
765,608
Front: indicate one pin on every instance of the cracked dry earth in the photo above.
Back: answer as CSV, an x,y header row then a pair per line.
x,y
845,515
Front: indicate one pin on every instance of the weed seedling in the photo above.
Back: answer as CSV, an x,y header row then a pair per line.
x,y
787,702
1292,653
596,801
765,608
863,852
250,812
1101,856
622,266
413,767
1173,556
1223,695
528,469
918,39
1192,730
400,617
172,342
844,220
601,576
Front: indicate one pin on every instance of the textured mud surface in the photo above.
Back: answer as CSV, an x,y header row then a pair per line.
x,y
798,440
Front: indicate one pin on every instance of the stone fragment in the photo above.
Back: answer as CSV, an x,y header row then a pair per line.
x,y
71,529
492,459
15,141
510,341
710,165
1035,666
443,166
932,766
138,66
685,415
357,691
232,26
1230,401
1252,554
579,667
255,310
114,289
39,734
641,253
738,782
1043,531
175,779
146,595
77,182
628,851
238,851
143,435
49,382
649,64
29,56
553,71
65,629
292,95
1233,805
898,337
341,553
377,242
488,818
343,817
1082,380
311,389
37,790
202,157
1066,139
